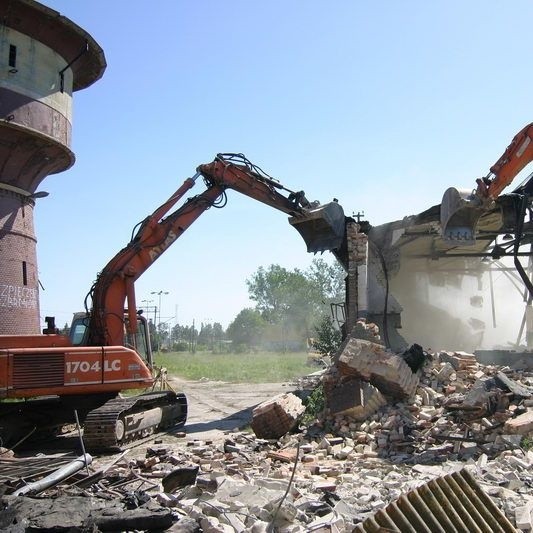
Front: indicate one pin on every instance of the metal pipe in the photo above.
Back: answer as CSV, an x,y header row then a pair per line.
x,y
78,426
55,477
491,283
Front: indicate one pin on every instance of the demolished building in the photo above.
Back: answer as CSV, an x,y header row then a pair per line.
x,y
443,294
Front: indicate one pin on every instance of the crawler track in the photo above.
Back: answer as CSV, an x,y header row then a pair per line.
x,y
121,420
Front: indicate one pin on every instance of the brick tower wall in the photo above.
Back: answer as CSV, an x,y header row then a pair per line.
x,y
19,291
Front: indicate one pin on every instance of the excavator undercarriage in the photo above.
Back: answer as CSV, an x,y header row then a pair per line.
x,y
124,419
108,422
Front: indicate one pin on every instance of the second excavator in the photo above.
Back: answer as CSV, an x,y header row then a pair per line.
x,y
53,379
461,209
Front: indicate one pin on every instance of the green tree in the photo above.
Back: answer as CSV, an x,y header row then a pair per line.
x,y
159,335
210,335
297,299
204,335
184,338
153,334
246,330
280,293
328,278
328,337
218,337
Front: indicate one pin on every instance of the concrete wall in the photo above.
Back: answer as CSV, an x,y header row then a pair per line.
x,y
31,92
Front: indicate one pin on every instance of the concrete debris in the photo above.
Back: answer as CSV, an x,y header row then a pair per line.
x,y
512,386
524,516
276,417
522,424
382,436
79,513
458,360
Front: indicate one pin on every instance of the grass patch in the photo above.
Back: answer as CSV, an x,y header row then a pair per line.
x,y
527,442
264,367
314,405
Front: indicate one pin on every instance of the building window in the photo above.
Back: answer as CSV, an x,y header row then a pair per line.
x,y
12,55
24,273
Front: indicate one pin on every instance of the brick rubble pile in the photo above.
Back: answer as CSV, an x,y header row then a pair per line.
x,y
386,430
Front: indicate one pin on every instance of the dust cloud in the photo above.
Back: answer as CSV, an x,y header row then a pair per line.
x,y
460,304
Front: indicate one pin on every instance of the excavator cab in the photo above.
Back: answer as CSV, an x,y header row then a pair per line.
x,y
139,341
322,228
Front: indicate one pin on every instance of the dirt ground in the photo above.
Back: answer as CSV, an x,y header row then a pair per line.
x,y
215,406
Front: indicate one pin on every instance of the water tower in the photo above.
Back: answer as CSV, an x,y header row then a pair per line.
x,y
44,58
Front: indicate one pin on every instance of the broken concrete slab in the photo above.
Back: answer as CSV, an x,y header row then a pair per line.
x,y
512,386
140,519
524,516
43,514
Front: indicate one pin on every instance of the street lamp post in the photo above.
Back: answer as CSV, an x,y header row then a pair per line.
x,y
160,294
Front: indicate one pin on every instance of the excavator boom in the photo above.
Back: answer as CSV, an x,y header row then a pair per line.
x,y
515,158
321,226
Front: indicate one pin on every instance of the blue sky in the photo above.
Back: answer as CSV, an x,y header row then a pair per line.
x,y
382,105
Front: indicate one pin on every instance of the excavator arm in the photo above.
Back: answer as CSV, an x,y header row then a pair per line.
x,y
322,227
516,156
461,209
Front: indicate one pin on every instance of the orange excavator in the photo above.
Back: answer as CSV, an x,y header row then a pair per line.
x,y
461,209
58,379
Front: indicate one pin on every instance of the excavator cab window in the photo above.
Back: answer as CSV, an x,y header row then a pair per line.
x,y
139,341
79,329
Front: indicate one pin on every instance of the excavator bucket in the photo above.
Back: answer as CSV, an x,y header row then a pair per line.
x,y
459,215
322,228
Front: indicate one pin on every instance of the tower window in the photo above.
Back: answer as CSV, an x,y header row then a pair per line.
x,y
24,273
12,55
